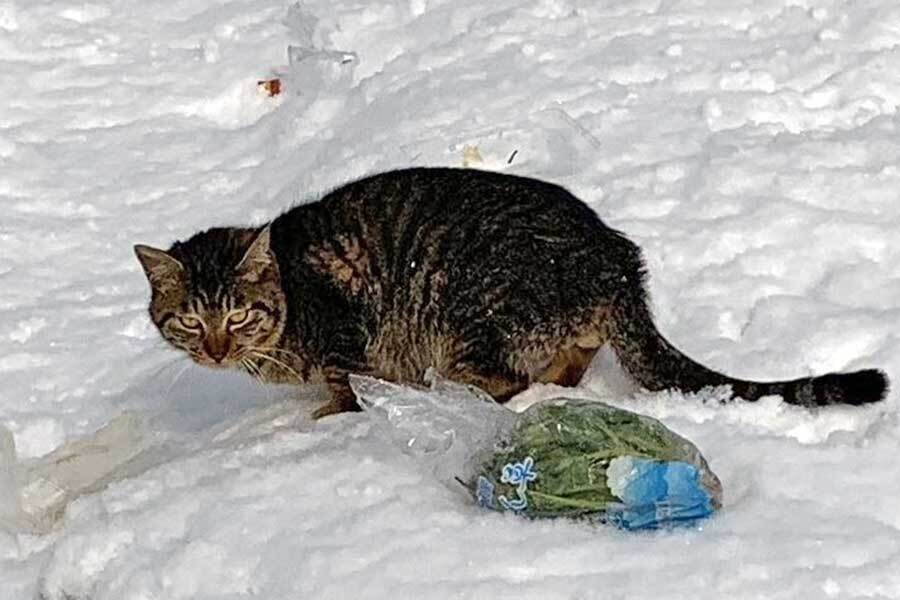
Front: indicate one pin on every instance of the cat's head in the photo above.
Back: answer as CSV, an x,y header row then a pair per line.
x,y
218,295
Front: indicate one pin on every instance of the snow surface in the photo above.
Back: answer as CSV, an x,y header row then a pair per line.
x,y
751,147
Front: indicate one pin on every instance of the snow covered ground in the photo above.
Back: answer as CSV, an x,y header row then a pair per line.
x,y
752,148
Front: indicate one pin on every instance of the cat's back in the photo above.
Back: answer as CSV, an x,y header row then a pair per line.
x,y
456,191
462,207
449,214
467,232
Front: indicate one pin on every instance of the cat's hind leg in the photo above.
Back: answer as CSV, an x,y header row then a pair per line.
x,y
568,366
501,386
483,365
563,358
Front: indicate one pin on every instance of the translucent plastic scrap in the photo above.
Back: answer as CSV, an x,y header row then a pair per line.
x,y
313,70
36,492
9,489
446,425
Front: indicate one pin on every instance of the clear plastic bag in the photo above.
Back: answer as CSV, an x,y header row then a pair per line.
x,y
558,458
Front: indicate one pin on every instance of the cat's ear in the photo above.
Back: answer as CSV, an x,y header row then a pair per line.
x,y
160,266
258,259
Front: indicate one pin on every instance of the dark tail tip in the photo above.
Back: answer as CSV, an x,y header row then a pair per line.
x,y
859,387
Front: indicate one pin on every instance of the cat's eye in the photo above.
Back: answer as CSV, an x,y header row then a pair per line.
x,y
238,318
191,323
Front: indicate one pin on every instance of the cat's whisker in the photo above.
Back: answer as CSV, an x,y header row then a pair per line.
x,y
254,370
246,367
277,362
257,375
176,378
287,353
166,365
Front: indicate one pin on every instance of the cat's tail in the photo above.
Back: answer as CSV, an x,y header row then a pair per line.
x,y
656,365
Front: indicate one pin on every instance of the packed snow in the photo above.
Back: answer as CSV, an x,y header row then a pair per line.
x,y
751,147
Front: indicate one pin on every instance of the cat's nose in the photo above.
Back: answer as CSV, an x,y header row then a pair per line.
x,y
217,348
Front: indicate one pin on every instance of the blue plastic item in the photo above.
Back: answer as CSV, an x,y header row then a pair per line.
x,y
655,494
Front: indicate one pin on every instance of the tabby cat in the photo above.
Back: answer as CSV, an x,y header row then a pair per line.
x,y
495,280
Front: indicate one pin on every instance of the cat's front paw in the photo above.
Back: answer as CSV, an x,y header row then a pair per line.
x,y
330,408
335,406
